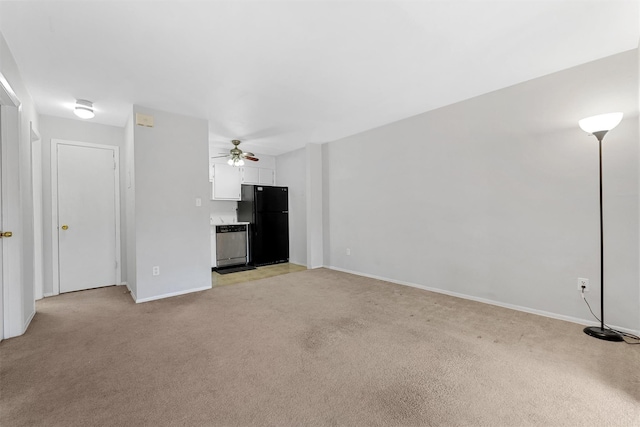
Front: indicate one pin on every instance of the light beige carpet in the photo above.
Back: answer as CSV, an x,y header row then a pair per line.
x,y
316,347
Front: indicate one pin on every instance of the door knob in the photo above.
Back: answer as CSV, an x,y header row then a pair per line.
x,y
6,234
65,227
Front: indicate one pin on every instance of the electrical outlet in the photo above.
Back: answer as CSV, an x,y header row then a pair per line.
x,y
583,283
348,251
156,270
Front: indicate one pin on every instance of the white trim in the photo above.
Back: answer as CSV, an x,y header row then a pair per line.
x,y
543,313
170,294
54,205
38,212
55,262
27,322
33,133
8,96
133,294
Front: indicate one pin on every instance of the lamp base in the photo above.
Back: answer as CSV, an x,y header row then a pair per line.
x,y
603,334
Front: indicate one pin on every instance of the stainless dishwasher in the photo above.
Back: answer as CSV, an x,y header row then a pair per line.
x,y
231,245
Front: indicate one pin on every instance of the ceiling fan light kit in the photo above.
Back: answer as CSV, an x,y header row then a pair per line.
x,y
236,161
237,156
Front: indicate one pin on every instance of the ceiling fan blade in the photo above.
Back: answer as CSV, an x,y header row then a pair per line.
x,y
218,157
253,159
246,153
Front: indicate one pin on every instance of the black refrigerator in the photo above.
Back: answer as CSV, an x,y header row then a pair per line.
x,y
267,209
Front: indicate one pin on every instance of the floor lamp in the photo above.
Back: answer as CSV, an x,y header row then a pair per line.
x,y
598,126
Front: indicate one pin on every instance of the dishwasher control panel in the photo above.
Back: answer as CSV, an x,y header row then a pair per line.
x,y
231,228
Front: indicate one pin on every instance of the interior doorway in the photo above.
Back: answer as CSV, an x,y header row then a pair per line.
x,y
12,303
1,231
86,215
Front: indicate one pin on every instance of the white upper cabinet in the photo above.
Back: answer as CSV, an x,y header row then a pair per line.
x,y
267,177
258,176
212,171
226,182
250,175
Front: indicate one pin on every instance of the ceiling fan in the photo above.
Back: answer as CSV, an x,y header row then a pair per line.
x,y
237,156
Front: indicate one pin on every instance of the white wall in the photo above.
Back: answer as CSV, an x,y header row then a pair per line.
x,y
128,222
171,171
315,230
496,197
84,131
302,172
38,220
21,293
291,172
223,211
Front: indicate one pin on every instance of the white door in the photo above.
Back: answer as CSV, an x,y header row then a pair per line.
x,y
86,190
1,244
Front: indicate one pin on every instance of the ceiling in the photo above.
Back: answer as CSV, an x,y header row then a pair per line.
x,y
281,74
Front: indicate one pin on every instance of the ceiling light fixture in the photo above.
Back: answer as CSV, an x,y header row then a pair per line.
x,y
598,126
237,156
235,161
84,109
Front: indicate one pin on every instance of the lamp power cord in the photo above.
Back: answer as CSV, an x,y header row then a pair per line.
x,y
625,335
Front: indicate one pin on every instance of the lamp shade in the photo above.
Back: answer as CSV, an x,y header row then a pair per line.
x,y
601,122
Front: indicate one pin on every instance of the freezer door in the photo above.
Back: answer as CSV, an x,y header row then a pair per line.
x,y
271,199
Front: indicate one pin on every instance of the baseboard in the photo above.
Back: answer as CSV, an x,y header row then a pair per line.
x,y
579,321
47,295
28,322
131,293
169,295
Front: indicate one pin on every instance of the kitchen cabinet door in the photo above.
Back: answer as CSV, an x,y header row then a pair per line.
x,y
212,171
226,182
250,175
267,177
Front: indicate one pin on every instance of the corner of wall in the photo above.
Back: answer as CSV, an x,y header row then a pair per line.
x,y
315,250
130,204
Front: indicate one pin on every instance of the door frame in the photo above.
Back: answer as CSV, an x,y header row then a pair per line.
x,y
10,290
55,262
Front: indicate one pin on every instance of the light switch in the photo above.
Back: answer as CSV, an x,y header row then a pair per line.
x,y
198,201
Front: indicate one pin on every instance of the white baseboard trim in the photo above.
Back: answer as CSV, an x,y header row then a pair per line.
x,y
47,295
584,322
169,295
133,294
28,322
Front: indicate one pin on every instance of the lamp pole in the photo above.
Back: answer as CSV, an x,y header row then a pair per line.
x,y
595,331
